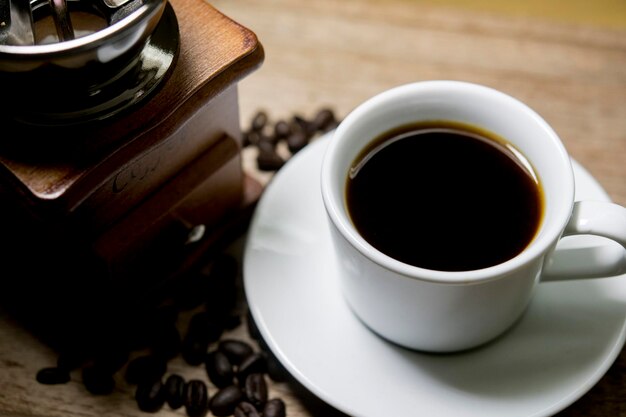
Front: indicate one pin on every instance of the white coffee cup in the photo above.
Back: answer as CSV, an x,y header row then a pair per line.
x,y
442,311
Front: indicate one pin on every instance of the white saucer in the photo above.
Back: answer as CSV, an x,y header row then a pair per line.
x,y
566,341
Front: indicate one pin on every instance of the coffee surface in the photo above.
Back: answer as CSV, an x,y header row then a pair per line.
x,y
444,196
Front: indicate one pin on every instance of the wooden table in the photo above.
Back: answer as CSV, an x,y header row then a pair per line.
x,y
566,59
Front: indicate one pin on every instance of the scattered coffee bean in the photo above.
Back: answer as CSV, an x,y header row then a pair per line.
x,y
297,141
202,331
236,350
250,138
196,398
275,408
268,143
255,390
53,376
281,130
273,139
245,409
324,120
225,400
233,366
254,363
194,351
150,396
333,125
147,368
219,369
175,391
98,381
259,120
266,146
297,133
269,160
303,126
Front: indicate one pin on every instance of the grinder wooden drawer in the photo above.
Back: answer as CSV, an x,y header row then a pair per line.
x,y
154,235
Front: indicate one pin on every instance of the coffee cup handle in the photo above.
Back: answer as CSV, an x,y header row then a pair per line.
x,y
597,218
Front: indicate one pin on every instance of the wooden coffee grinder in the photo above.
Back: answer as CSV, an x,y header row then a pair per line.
x,y
120,151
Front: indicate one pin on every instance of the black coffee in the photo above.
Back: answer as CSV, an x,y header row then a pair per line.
x,y
444,196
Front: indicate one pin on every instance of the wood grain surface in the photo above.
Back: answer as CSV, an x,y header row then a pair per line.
x,y
329,53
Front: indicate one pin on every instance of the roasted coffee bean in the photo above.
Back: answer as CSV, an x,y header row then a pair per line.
x,y
255,363
251,138
266,146
219,369
301,124
324,119
254,138
53,376
225,400
147,368
333,125
245,409
236,350
271,139
196,398
255,390
202,331
175,391
275,408
98,381
194,351
150,396
259,120
296,141
269,160
281,130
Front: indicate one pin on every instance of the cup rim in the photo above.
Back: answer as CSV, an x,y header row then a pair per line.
x,y
541,244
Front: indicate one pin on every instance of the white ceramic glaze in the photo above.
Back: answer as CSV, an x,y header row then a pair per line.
x,y
449,311
565,341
